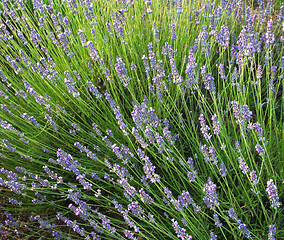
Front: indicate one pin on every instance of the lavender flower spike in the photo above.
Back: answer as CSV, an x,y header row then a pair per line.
x,y
211,198
180,231
272,193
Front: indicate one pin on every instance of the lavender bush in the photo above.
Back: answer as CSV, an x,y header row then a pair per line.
x,y
141,119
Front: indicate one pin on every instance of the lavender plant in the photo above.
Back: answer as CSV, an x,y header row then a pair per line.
x,y
141,119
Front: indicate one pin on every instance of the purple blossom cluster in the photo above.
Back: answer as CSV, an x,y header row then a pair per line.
x,y
148,168
211,198
89,153
243,166
94,90
241,112
272,231
272,194
8,145
204,128
190,70
217,220
116,110
122,72
216,124
244,230
208,79
209,154
143,115
180,232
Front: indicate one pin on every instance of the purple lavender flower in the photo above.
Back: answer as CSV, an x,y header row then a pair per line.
x,y
151,218
212,236
259,149
2,77
152,57
168,136
116,110
35,37
139,138
136,209
106,223
122,72
95,127
145,197
94,90
223,169
257,128
21,37
149,134
126,186
272,194
148,168
216,125
247,114
13,185
168,193
50,173
191,70
217,220
224,36
269,36
55,21
213,157
244,230
180,232
202,37
272,231
243,166
146,65
74,125
115,149
107,141
139,116
156,31
191,163
233,215
108,26
204,128
208,79
176,77
71,88
63,41
15,202
204,150
179,7
109,132
93,51
174,36
14,65
238,147
129,234
222,72
211,198
240,112
8,145
259,72
161,142
82,37
191,176
253,178
133,66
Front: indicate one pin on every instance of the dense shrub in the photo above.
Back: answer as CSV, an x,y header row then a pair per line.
x,y
141,119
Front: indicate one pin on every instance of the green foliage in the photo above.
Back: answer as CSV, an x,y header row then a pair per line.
x,y
62,94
